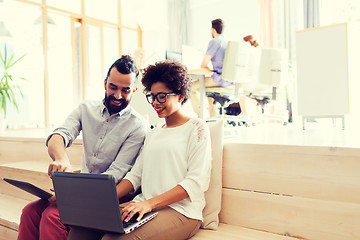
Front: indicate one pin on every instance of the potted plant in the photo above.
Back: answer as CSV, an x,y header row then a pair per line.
x,y
8,83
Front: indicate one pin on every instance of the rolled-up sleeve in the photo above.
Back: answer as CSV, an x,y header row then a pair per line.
x,y
212,47
196,181
70,129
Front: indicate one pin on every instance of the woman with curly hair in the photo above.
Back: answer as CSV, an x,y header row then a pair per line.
x,y
173,168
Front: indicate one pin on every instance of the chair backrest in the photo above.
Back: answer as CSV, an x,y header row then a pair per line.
x,y
236,62
273,66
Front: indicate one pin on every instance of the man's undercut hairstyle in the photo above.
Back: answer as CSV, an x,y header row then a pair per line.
x,y
125,65
218,25
173,74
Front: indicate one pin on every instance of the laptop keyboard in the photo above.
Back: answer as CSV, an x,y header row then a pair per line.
x,y
131,221
126,224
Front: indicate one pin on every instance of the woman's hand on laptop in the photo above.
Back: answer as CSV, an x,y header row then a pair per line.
x,y
133,209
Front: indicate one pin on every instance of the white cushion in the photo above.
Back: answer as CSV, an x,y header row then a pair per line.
x,y
213,194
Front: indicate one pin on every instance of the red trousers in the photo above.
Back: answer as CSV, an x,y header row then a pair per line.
x,y
40,221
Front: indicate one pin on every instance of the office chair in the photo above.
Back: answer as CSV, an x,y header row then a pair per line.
x,y
272,72
235,70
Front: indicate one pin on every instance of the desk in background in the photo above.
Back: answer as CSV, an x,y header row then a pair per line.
x,y
201,74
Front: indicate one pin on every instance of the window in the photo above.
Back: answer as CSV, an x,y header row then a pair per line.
x,y
67,57
60,78
25,38
106,10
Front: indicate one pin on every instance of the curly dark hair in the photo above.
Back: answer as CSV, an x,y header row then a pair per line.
x,y
173,74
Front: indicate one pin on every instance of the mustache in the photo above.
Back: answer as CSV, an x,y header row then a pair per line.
x,y
114,98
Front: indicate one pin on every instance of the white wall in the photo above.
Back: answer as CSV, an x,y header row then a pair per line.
x,y
241,18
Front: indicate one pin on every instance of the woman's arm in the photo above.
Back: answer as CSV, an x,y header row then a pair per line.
x,y
124,187
174,195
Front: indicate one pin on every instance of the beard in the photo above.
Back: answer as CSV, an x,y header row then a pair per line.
x,y
115,108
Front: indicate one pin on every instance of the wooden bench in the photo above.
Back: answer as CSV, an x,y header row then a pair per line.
x,y
288,192
24,159
269,192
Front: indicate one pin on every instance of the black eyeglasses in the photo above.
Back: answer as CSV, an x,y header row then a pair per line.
x,y
160,97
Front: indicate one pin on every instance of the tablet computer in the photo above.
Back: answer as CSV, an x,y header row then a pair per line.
x,y
30,188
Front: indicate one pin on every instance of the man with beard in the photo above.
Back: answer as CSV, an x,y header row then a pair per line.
x,y
112,133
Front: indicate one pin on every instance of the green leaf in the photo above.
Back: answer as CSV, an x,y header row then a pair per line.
x,y
5,56
8,81
12,64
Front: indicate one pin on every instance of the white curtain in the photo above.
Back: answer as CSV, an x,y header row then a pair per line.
x,y
311,13
266,37
284,29
179,19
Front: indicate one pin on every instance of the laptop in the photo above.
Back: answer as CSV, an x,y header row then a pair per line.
x,y
30,188
90,201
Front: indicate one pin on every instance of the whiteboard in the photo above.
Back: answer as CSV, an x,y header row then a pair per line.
x,y
322,71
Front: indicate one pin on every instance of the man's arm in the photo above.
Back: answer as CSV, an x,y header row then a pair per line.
x,y
56,150
125,158
61,138
205,61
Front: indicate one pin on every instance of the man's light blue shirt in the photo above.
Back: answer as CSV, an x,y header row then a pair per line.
x,y
216,49
110,143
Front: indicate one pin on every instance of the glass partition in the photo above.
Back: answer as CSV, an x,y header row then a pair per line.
x,y
111,46
95,73
60,67
25,37
129,13
130,41
68,5
106,10
67,58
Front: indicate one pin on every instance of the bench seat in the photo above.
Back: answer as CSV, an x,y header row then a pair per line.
x,y
10,212
232,232
269,192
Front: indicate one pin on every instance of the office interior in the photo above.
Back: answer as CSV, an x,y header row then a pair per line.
x,y
66,47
